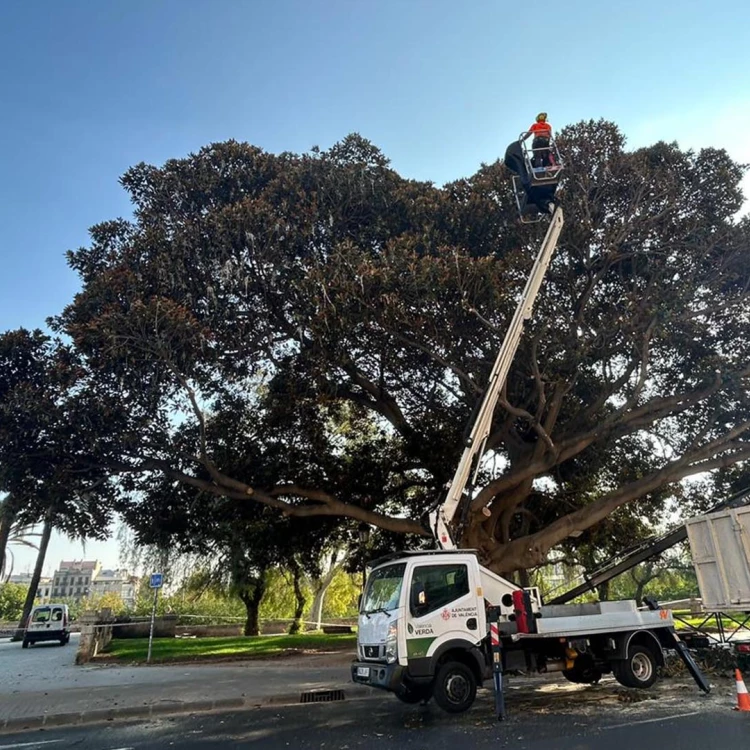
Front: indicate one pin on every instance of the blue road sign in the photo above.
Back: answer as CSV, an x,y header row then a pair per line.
x,y
156,581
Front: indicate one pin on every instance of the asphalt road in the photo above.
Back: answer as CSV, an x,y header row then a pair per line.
x,y
384,722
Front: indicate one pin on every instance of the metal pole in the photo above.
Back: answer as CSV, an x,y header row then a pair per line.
x,y
151,629
497,671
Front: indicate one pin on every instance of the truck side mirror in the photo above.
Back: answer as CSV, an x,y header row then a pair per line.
x,y
418,597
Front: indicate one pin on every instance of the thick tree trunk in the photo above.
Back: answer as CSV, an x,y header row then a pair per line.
x,y
7,518
531,550
251,615
34,585
252,600
299,597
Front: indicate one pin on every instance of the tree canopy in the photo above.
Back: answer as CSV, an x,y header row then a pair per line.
x,y
335,323
48,431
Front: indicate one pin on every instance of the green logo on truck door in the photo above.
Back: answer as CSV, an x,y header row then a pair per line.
x,y
418,647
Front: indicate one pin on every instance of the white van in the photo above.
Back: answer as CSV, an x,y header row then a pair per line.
x,y
48,622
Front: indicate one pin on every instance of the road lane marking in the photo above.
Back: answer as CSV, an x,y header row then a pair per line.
x,y
29,744
644,721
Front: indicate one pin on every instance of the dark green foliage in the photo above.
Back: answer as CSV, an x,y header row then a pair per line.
x,y
49,429
311,332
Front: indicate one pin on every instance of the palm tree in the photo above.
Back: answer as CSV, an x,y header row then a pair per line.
x,y
34,585
19,535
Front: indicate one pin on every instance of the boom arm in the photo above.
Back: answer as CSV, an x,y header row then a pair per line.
x,y
442,518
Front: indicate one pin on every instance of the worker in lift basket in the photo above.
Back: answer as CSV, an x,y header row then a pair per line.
x,y
542,132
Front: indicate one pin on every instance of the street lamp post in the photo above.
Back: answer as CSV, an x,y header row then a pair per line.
x,y
363,530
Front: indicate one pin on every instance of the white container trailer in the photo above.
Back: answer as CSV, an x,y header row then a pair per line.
x,y
720,546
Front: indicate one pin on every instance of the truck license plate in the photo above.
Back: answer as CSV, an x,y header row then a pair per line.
x,y
363,671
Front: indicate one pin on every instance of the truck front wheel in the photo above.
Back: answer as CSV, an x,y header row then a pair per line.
x,y
455,687
638,670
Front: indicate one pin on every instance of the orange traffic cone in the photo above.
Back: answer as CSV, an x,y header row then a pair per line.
x,y
743,699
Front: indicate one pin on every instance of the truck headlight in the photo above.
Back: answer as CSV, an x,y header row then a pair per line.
x,y
391,643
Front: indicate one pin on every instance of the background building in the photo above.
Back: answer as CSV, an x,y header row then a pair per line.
x,y
72,580
82,579
117,582
43,590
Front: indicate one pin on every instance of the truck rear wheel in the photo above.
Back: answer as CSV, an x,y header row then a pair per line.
x,y
638,670
455,687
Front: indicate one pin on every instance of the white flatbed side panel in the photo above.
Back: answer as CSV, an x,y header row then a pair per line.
x,y
589,608
720,547
609,622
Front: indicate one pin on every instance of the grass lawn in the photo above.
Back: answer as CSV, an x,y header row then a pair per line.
x,y
192,649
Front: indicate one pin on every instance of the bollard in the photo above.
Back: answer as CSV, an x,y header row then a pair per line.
x,y
497,671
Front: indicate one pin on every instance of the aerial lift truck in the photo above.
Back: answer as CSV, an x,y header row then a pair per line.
x,y
437,623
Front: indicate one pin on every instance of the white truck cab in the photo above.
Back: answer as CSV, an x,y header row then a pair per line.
x,y
417,610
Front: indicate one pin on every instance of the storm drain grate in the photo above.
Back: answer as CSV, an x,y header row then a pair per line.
x,y
322,696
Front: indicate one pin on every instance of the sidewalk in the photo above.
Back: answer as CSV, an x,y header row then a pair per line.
x,y
67,694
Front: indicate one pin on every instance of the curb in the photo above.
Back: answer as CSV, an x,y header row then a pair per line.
x,y
153,710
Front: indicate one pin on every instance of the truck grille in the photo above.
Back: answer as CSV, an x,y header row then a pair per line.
x,y
372,652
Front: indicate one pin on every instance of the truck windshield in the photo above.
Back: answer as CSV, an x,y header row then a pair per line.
x,y
384,588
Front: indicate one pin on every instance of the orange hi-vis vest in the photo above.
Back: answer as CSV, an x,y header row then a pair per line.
x,y
541,129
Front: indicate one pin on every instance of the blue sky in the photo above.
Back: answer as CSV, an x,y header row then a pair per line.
x,y
90,87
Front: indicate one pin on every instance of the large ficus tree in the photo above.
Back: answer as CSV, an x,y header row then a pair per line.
x,y
337,322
